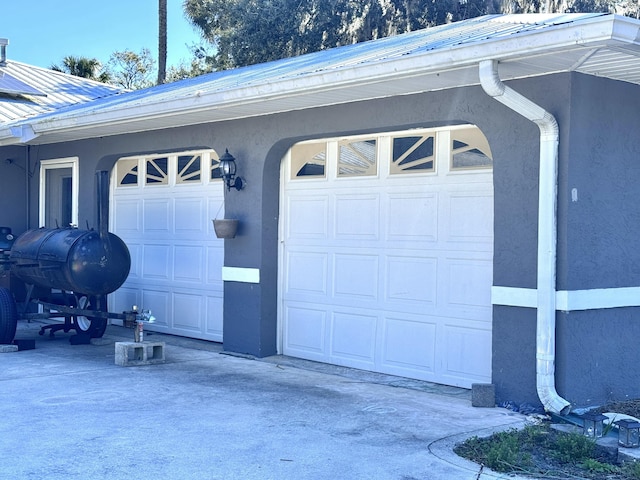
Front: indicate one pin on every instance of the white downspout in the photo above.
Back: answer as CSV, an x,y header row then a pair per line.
x,y
547,231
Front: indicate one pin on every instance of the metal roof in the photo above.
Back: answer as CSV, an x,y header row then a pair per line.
x,y
27,91
436,58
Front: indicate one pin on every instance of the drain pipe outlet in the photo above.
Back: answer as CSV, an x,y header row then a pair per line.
x,y
547,232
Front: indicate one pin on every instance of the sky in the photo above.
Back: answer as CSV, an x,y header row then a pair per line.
x,y
43,32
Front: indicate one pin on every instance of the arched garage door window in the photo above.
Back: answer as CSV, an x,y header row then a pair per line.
x,y
463,147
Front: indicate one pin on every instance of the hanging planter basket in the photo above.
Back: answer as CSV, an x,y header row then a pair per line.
x,y
225,227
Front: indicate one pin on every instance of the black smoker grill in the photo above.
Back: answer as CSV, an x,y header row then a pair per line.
x,y
71,259
65,272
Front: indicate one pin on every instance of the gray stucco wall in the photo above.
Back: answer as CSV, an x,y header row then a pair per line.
x,y
13,187
601,246
604,169
598,230
259,143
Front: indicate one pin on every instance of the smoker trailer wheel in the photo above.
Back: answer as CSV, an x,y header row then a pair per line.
x,y
94,326
8,316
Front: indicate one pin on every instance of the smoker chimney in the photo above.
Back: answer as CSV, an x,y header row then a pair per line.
x,y
102,188
3,51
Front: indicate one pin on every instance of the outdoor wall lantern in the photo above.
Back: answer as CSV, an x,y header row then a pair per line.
x,y
228,171
593,424
628,433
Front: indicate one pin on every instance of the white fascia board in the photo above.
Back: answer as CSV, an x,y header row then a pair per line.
x,y
594,32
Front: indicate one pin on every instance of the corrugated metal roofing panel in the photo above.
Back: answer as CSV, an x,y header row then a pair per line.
x,y
45,91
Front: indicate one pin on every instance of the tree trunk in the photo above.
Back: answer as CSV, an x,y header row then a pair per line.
x,y
162,41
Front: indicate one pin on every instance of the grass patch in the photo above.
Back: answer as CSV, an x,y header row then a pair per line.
x,y
541,452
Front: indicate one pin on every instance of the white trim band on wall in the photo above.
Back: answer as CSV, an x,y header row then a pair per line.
x,y
239,274
569,300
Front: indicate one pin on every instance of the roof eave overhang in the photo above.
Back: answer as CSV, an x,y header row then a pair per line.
x,y
333,86
16,135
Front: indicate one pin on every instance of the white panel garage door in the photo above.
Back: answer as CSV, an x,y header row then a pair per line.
x,y
386,254
162,208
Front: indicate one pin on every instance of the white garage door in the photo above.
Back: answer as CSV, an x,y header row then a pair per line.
x,y
162,208
386,254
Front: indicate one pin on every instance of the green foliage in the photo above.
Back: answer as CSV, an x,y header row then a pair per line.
x,y
131,70
84,67
500,452
632,469
505,453
182,70
541,452
573,448
594,466
534,435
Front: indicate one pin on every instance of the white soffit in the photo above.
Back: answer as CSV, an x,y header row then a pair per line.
x,y
612,63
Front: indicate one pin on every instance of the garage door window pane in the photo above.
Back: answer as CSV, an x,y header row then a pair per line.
x,y
470,149
188,169
357,158
215,167
414,154
308,160
157,171
127,172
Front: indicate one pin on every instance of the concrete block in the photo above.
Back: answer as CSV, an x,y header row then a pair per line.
x,y
139,353
483,395
8,348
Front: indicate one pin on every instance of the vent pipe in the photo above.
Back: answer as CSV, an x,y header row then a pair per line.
x,y
3,51
102,189
547,231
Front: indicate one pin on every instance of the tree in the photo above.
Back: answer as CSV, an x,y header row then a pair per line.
x,y
199,65
84,67
131,70
162,41
578,6
630,8
244,32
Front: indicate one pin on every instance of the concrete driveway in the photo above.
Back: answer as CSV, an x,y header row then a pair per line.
x,y
67,412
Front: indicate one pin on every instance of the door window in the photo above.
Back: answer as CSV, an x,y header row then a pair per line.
x,y
58,193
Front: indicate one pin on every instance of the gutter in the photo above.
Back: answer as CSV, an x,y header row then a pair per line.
x,y
547,231
19,134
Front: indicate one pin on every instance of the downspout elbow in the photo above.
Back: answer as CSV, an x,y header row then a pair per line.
x,y
547,231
